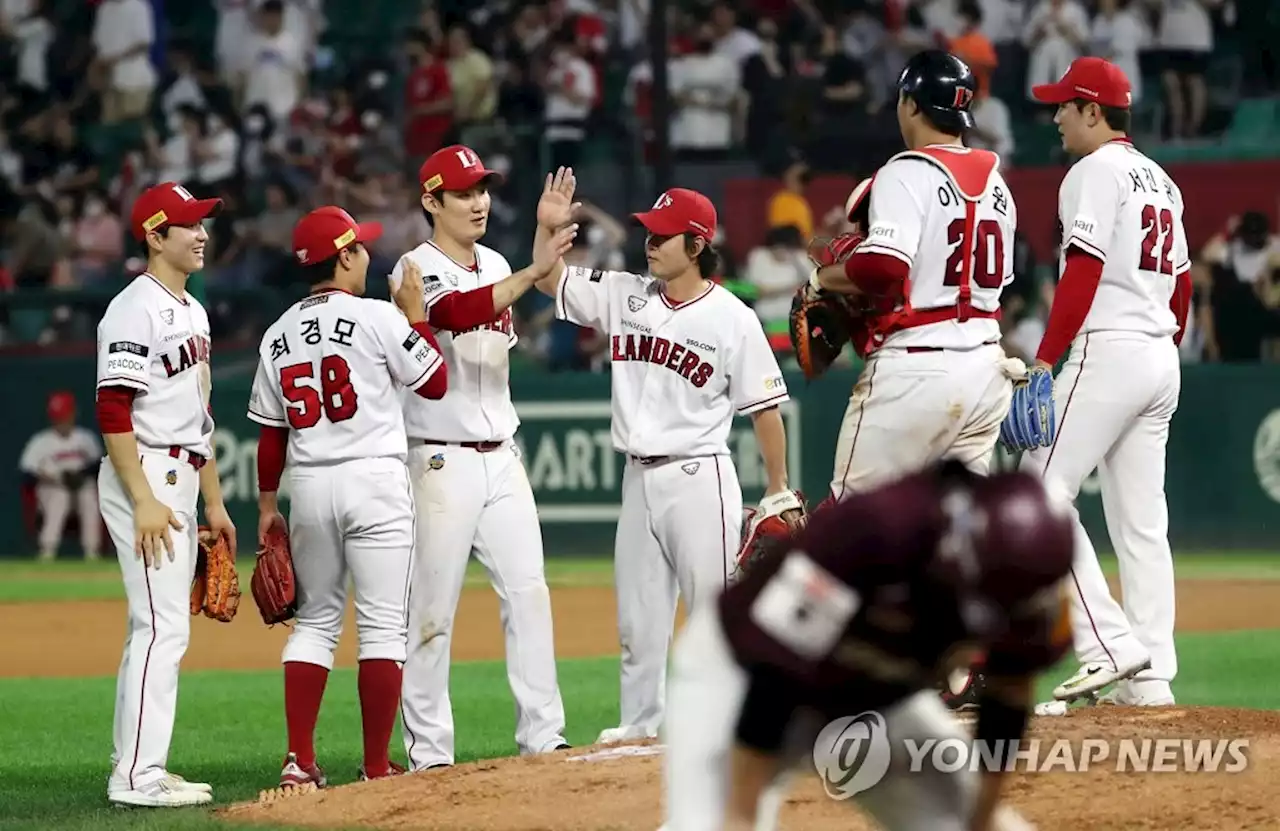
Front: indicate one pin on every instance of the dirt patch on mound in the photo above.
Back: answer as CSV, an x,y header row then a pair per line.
x,y
620,789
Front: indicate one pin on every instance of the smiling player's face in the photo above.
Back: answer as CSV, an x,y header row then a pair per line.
x,y
183,247
463,215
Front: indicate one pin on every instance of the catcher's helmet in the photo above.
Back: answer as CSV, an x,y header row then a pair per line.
x,y
942,86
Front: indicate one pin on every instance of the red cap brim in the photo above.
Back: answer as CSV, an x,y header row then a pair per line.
x,y
368,231
1054,93
664,225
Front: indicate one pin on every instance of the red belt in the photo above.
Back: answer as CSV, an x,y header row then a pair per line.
x,y
194,459
478,446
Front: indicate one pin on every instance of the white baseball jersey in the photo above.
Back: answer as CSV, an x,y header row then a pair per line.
x,y
50,453
918,216
478,405
328,369
1124,209
680,372
152,341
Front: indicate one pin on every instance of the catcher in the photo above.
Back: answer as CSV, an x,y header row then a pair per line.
x,y
855,618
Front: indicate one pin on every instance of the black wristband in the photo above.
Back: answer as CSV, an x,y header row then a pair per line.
x,y
1000,727
767,709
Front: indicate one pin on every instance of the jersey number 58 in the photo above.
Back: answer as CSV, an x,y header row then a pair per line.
x,y
335,399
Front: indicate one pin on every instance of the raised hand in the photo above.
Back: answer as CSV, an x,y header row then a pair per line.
x,y
556,207
409,294
548,252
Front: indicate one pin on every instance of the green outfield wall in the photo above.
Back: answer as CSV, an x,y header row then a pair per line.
x,y
1223,478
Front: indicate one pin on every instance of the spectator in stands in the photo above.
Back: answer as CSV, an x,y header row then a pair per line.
x,y
472,78
181,84
123,34
1056,33
775,270
706,91
37,251
1119,33
1244,262
174,159
789,207
32,35
992,127
1184,39
844,126
274,70
570,85
973,46
765,86
731,40
63,164
97,241
428,99
216,154
863,38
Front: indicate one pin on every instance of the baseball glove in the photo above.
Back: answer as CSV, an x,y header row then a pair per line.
x,y
820,325
274,589
73,479
825,251
1031,421
215,590
767,526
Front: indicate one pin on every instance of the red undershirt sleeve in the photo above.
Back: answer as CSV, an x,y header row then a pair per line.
x,y
115,409
1071,302
1180,303
273,442
876,274
438,382
459,311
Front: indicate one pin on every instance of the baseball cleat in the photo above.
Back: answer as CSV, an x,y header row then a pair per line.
x,y
1126,695
294,775
162,793
1095,676
630,733
183,785
961,690
393,770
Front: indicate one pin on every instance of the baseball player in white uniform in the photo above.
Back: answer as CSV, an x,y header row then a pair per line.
x,y
61,459
328,388
1121,307
153,409
687,356
938,252
469,485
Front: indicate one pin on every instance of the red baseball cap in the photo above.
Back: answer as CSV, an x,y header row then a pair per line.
x,y
325,231
62,405
677,211
169,203
456,167
1091,79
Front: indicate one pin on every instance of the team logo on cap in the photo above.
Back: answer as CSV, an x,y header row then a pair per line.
x,y
345,239
301,255
434,182
664,201
964,96
155,221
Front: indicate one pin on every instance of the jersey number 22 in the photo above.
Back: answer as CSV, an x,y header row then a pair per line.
x,y
336,399
1159,228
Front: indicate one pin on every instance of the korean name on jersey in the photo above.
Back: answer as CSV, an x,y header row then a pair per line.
x,y
1121,207
679,371
330,368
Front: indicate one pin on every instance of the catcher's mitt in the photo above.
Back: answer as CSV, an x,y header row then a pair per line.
x,y
274,590
768,526
820,325
216,587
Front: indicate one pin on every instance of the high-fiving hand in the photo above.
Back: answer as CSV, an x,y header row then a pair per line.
x,y
556,208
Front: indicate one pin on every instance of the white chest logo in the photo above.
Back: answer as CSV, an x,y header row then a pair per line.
x,y
167,316
635,304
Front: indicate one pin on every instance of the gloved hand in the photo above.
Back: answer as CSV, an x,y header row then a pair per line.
x,y
1032,418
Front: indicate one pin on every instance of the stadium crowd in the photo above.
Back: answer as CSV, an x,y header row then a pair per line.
x,y
280,105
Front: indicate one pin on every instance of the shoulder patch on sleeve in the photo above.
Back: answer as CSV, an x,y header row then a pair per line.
x,y
130,347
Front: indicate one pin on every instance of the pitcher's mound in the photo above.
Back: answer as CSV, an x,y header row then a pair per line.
x,y
1142,783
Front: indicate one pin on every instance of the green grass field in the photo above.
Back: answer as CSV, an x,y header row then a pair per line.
x,y
55,735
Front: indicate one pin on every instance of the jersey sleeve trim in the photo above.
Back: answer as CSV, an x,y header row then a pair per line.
x,y
1182,268
123,381
877,248
760,405
427,373
562,311
266,420
1087,247
436,298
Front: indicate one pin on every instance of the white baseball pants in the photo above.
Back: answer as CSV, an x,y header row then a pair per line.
x,y
57,504
1115,398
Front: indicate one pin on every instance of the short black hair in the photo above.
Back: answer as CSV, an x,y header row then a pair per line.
x,y
272,7
708,259
1118,118
323,271
163,231
971,10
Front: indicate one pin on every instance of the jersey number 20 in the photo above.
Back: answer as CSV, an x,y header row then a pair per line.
x,y
988,254
1159,227
335,399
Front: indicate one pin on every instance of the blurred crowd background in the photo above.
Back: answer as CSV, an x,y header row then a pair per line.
x,y
277,106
